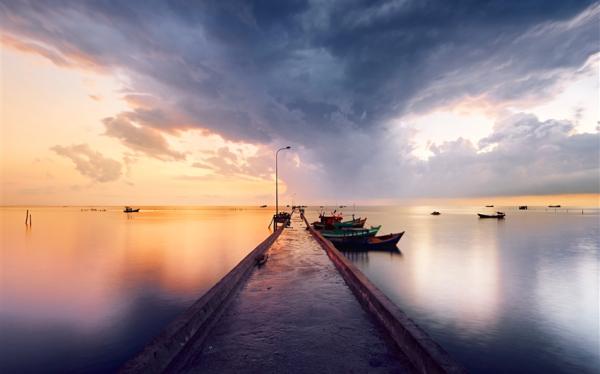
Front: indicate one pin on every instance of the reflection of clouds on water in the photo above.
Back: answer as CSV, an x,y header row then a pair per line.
x,y
88,279
571,274
59,346
517,295
457,279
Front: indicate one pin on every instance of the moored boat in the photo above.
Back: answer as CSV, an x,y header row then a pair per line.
x,y
368,243
354,222
523,207
351,232
499,215
129,209
384,242
489,206
327,222
553,206
435,213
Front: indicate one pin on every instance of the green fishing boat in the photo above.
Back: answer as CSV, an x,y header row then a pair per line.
x,y
351,232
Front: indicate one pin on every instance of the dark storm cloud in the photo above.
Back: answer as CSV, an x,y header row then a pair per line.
x,y
325,74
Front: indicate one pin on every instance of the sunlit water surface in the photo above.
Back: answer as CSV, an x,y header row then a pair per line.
x,y
512,295
82,291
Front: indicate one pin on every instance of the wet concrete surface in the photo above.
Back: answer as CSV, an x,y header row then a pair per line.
x,y
294,314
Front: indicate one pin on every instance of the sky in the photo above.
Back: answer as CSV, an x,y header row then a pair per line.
x,y
185,103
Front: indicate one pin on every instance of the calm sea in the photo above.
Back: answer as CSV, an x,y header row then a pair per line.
x,y
82,291
518,295
85,290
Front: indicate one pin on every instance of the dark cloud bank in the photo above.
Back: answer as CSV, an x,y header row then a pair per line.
x,y
330,75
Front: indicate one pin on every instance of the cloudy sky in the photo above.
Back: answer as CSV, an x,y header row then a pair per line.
x,y
177,102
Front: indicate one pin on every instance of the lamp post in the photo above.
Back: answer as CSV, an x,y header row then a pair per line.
x,y
276,181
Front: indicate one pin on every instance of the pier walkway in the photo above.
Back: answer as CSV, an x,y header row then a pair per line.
x,y
294,314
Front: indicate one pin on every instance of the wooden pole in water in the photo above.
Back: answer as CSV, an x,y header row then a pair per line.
x,y
29,219
26,216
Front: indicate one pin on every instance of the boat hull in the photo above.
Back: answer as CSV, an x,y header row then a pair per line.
x,y
497,216
370,243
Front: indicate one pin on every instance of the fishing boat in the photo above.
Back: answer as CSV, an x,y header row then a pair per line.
x,y
553,206
522,207
384,242
327,222
263,206
436,213
129,209
369,243
354,222
351,232
489,206
374,243
498,215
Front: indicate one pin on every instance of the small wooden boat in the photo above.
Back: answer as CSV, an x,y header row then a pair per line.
x,y
354,222
263,206
498,215
369,243
129,209
522,207
383,242
436,213
489,206
553,206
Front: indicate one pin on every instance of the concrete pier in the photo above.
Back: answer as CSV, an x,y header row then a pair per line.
x,y
307,309
294,314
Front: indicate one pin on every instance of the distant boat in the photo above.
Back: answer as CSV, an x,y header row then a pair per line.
x,y
263,206
489,206
436,213
342,206
129,209
498,215
553,206
522,207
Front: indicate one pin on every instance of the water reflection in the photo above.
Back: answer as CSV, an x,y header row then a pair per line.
x,y
363,256
513,295
84,290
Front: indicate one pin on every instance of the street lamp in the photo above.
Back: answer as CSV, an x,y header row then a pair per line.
x,y
276,181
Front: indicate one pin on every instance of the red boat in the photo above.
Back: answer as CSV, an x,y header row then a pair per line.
x,y
327,222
